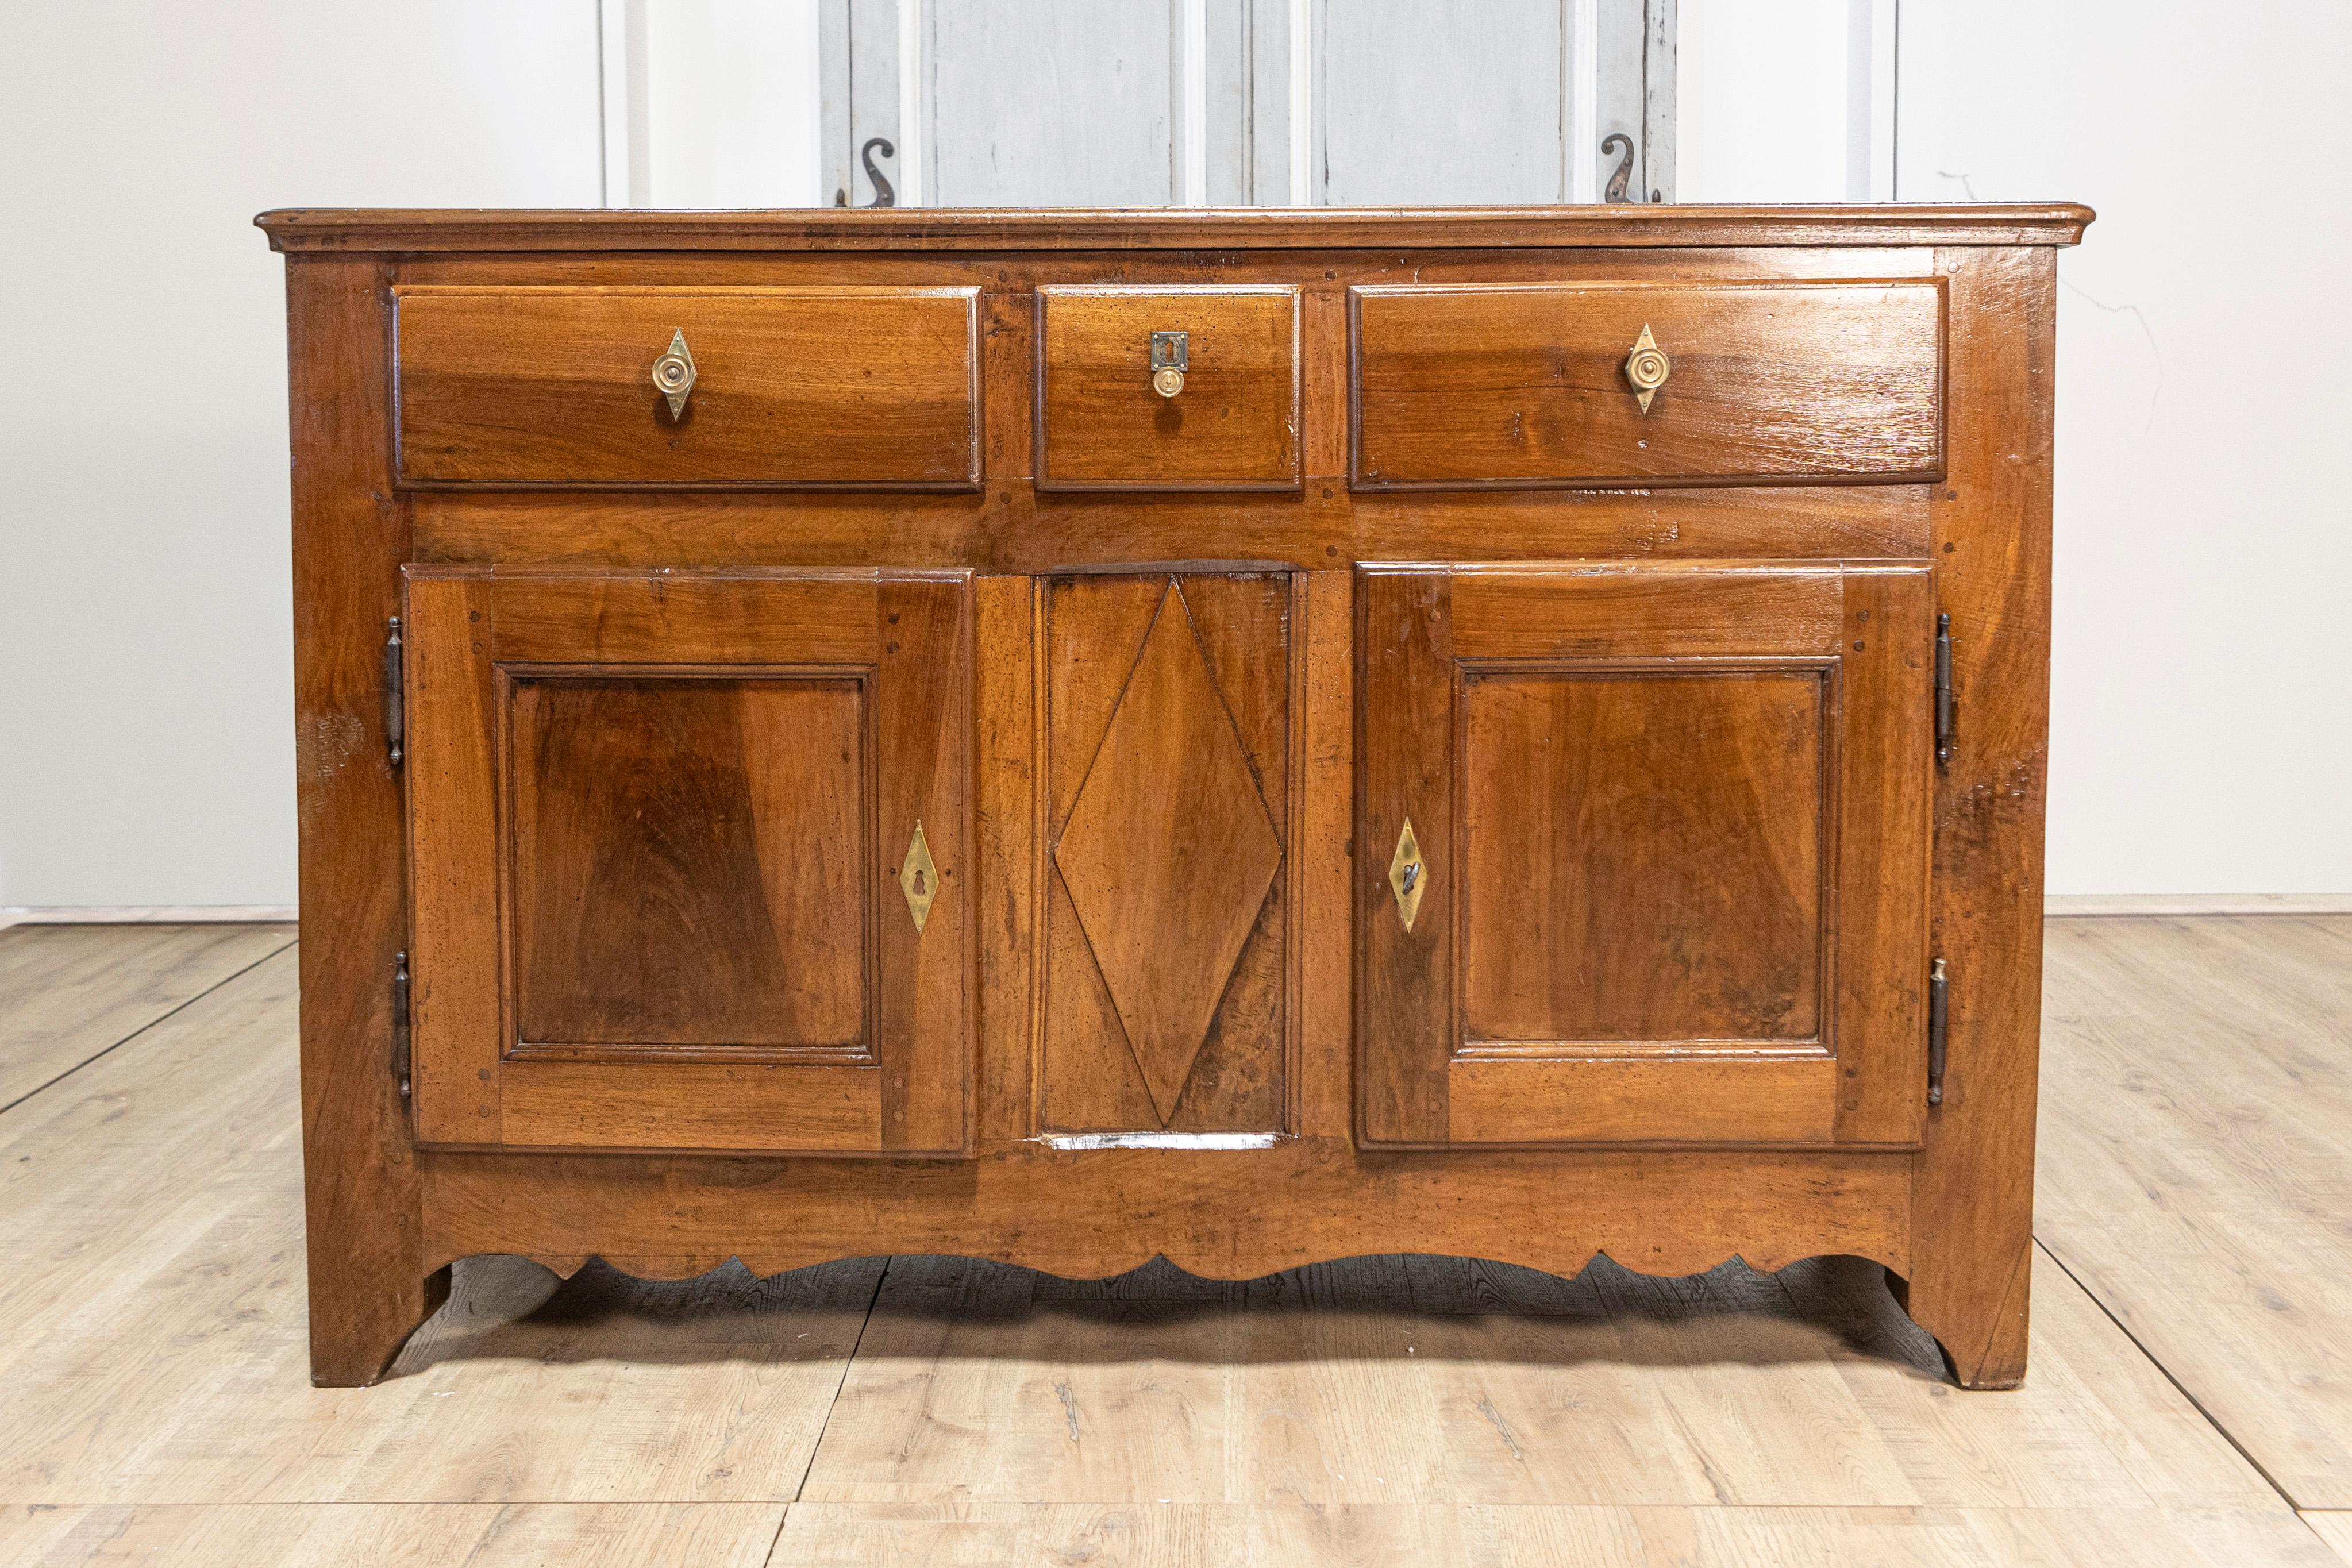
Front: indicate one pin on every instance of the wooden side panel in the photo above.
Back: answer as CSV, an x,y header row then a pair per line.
x,y
1234,426
540,385
367,1272
1974,1195
1507,384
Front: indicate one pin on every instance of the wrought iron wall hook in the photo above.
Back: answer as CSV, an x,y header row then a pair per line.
x,y
884,196
1622,179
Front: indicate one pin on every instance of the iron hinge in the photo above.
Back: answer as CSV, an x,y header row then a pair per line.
x,y
395,709
1943,688
400,1071
1937,1019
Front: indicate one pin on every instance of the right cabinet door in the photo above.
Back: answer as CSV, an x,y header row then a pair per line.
x,y
1642,853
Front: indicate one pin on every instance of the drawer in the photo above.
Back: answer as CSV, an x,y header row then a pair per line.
x,y
814,388
1530,386
1233,425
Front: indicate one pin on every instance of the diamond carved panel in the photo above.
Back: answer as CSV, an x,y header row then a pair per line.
x,y
1169,852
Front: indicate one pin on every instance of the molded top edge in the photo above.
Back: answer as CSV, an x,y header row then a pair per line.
x,y
368,230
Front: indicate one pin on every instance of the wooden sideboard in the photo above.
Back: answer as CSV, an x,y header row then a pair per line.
x,y
1254,737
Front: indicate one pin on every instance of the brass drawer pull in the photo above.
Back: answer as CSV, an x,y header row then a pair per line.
x,y
674,374
1170,361
1647,368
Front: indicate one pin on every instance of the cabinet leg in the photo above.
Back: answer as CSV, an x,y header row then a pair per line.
x,y
1979,1323
359,1321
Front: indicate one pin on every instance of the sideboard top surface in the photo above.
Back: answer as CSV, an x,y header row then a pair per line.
x,y
356,229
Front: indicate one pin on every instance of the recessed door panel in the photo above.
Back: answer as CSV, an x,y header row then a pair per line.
x,y
730,908
1648,854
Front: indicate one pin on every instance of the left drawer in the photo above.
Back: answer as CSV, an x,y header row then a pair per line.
x,y
793,388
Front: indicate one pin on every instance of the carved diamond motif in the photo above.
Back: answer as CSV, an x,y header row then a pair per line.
x,y
1169,852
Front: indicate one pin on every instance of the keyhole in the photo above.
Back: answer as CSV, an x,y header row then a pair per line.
x,y
919,888
1411,875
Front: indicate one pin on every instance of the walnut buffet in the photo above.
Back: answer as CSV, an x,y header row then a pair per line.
x,y
1258,736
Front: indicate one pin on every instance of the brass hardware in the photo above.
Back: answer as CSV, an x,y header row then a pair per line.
x,y
1622,177
919,878
1647,368
1170,358
674,374
1407,875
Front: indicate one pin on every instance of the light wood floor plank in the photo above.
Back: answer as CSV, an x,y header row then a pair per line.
x,y
68,992
2196,1165
1380,1410
1803,1388
1434,1535
2333,1527
157,1353
486,1535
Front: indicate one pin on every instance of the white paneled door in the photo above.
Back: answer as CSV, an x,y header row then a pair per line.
x,y
1245,102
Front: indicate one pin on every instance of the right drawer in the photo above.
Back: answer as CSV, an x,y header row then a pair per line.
x,y
1538,385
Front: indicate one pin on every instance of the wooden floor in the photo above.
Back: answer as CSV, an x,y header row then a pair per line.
x,y
2192,1386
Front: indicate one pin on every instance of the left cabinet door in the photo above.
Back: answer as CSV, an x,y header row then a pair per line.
x,y
689,860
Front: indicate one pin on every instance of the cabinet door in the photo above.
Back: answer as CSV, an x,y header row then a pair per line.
x,y
688,859
1642,853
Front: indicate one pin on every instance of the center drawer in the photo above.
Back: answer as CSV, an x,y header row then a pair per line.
x,y
1167,388
1529,386
800,388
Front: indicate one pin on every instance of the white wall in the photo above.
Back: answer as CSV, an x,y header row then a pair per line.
x,y
146,685
2201,733
2199,738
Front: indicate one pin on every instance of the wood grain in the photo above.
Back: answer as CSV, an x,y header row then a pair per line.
x,y
698,938
1417,1387
70,992
1817,351
708,838
2195,1167
1235,425
1171,228
792,387
368,1285
481,1535
1975,1176
1206,1209
1429,1409
1166,969
1520,386
1663,892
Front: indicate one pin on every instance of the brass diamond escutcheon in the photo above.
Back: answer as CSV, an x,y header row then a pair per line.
x,y
1647,368
1407,875
1169,853
919,878
673,373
